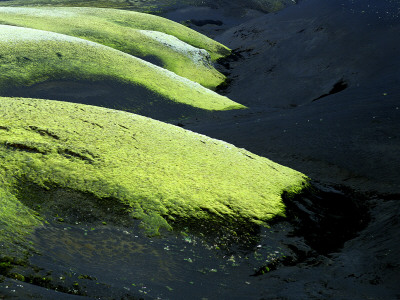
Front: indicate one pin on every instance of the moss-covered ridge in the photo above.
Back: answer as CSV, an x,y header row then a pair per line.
x,y
179,49
161,173
29,57
152,6
16,220
158,6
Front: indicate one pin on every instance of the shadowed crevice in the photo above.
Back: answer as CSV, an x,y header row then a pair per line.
x,y
339,86
327,217
45,132
201,23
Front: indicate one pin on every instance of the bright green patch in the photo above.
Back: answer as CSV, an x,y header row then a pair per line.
x,y
177,47
16,220
159,173
29,56
143,6
157,6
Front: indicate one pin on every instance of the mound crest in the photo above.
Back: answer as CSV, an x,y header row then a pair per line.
x,y
155,172
42,64
176,47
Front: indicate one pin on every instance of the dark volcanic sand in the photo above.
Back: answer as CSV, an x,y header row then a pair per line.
x,y
322,80
322,83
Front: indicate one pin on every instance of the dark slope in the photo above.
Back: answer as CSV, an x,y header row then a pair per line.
x,y
322,83
212,17
322,80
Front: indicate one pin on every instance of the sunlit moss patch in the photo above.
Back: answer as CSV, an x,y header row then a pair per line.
x,y
180,49
158,6
157,173
153,6
29,57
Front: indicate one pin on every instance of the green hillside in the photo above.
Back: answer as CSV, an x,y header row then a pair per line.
x,y
155,172
29,58
178,48
143,6
157,6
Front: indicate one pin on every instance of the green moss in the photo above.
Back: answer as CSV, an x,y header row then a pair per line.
x,y
16,220
123,30
18,276
155,6
159,173
144,6
273,5
29,56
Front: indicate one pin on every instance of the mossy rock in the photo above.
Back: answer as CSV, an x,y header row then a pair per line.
x,y
153,6
174,46
42,64
159,6
145,169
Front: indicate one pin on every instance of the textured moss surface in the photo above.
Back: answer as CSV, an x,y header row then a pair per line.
x,y
16,220
159,173
158,6
29,56
178,48
138,5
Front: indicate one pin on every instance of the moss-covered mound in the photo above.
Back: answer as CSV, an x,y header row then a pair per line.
x,y
143,6
178,48
155,172
32,59
159,6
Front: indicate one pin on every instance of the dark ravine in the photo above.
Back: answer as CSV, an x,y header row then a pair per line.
x,y
340,240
